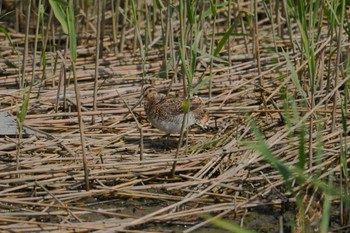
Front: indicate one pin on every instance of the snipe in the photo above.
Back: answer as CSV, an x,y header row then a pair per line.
x,y
166,113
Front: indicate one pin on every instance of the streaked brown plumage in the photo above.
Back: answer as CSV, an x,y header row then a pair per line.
x,y
166,113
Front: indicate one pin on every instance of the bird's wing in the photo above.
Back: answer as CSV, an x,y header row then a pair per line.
x,y
171,106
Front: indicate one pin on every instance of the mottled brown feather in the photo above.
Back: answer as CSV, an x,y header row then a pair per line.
x,y
165,112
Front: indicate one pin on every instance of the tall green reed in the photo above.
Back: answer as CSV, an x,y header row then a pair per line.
x,y
64,12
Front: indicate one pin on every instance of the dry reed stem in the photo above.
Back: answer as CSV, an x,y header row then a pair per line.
x,y
218,175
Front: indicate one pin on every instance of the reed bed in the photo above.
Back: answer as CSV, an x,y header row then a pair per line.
x,y
43,180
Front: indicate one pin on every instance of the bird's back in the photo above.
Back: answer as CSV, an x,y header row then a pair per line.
x,y
166,113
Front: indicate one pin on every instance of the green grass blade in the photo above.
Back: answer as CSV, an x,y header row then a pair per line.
x,y
223,40
326,209
8,63
58,7
302,154
190,12
213,8
229,226
139,39
204,81
23,113
261,146
194,50
343,148
72,31
210,12
184,63
294,75
8,37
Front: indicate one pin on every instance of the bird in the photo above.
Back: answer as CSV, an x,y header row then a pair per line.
x,y
166,112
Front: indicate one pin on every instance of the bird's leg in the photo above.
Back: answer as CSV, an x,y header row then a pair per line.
x,y
166,136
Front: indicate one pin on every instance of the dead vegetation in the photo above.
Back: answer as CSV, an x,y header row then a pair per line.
x,y
216,174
